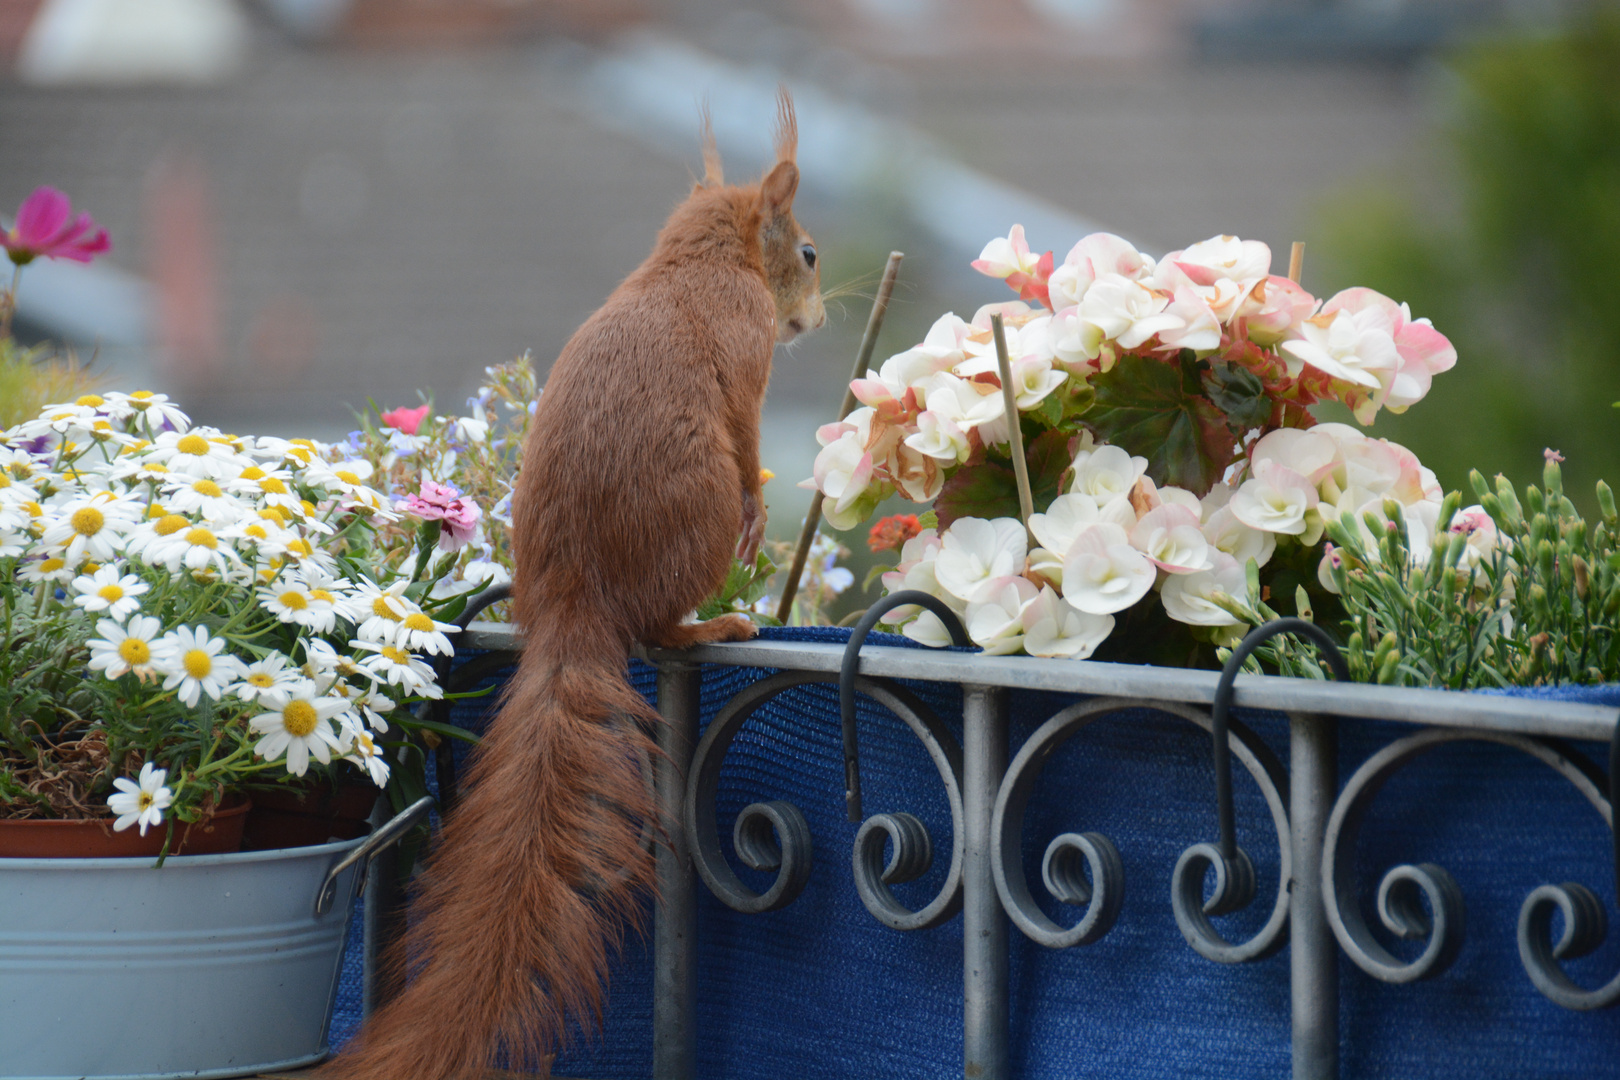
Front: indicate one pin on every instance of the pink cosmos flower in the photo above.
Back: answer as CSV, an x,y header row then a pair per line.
x,y
406,420
45,226
442,503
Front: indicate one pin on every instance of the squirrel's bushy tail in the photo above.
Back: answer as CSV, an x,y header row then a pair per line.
x,y
542,869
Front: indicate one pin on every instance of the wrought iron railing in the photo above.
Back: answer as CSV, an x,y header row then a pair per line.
x,y
1317,908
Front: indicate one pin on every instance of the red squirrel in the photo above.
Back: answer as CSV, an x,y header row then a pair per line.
x,y
640,467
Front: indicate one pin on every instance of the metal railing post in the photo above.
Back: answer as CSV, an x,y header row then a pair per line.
x,y
1313,751
984,924
675,920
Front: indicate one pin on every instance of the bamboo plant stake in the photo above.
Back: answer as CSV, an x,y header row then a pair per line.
x,y
1015,435
1296,261
812,519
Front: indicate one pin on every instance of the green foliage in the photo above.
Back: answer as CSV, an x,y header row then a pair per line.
x,y
1158,411
1522,275
1538,606
30,379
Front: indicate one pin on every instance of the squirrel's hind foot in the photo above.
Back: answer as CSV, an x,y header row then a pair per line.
x,y
725,628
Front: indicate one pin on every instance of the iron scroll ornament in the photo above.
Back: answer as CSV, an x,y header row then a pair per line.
x,y
1070,856
774,836
1443,925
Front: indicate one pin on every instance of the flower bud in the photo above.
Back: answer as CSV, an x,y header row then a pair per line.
x,y
1583,577
1477,481
1533,500
1605,498
1511,510
1552,477
1389,669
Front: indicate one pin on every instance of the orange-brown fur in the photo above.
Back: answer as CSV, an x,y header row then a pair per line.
x,y
640,468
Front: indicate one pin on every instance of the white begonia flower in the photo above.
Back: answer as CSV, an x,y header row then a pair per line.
x,y
1170,536
1103,573
273,673
299,725
1229,535
1106,473
140,803
1179,496
1277,500
916,571
1095,255
1310,453
843,471
200,452
975,554
939,437
941,350
196,664
1063,522
127,648
1007,255
929,629
1030,340
995,624
1189,598
1353,346
105,590
967,405
91,527
1053,627
394,666
1123,311
1198,326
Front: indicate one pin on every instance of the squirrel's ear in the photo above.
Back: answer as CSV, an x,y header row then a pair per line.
x,y
713,174
777,189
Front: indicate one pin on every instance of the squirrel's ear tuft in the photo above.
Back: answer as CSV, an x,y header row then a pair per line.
x,y
713,175
787,126
777,189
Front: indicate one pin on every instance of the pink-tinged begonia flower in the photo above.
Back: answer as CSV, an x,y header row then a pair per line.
x,y
918,476
1197,327
1276,500
1274,307
46,226
938,437
406,420
1189,598
1229,535
1106,473
1103,573
1309,452
1170,536
1223,258
1355,347
1028,338
1095,255
976,554
1010,259
1424,351
1120,310
1055,627
1064,521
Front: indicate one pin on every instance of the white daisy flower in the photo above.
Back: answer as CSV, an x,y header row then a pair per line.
x,y
272,487
124,649
155,410
324,664
200,452
196,663
38,571
396,667
298,724
106,591
293,601
91,526
197,547
199,494
377,612
273,673
153,530
364,752
371,706
141,803
419,631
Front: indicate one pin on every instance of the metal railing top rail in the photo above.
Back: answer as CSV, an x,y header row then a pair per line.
x,y
1444,708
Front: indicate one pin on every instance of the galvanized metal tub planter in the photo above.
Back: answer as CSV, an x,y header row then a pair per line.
x,y
211,966
792,959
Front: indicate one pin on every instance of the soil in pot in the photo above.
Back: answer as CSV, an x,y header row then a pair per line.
x,y
297,815
95,839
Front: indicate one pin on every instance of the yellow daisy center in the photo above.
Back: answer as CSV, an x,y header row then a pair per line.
x,y
145,799
111,593
134,651
51,566
170,524
346,476
89,567
270,513
90,400
258,532
299,718
5,481
192,444
322,594
398,656
156,468
418,621
197,663
294,600
201,537
141,397
300,547
252,472
309,507
272,486
207,488
34,509
87,521
381,607
262,680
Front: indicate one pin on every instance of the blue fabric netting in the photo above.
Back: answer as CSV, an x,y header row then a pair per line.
x,y
822,990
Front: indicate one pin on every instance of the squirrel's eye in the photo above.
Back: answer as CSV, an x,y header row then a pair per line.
x,y
809,254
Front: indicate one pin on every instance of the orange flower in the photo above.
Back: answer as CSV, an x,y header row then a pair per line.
x,y
892,532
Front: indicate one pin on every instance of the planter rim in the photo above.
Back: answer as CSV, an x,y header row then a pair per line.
x,y
181,862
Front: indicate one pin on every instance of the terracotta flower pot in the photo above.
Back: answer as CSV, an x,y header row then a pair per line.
x,y
297,816
95,838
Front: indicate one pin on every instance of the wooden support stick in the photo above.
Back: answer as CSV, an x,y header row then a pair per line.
x,y
812,519
1015,434
1296,261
